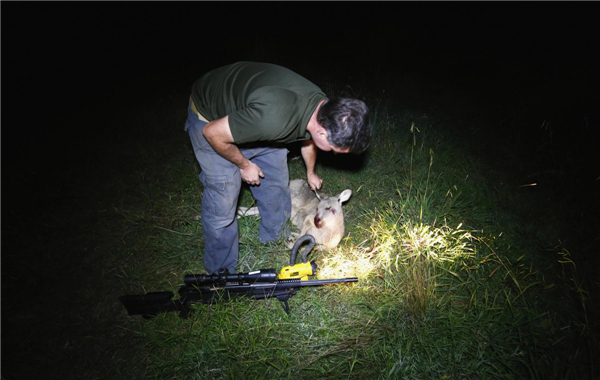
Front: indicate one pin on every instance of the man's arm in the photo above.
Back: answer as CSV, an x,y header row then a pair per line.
x,y
218,134
309,154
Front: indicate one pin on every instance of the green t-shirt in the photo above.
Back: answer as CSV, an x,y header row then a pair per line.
x,y
265,102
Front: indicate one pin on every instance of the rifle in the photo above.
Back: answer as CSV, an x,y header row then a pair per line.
x,y
207,289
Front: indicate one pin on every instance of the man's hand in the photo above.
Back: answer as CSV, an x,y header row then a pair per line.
x,y
314,181
251,173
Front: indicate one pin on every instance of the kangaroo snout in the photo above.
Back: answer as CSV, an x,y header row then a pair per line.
x,y
318,222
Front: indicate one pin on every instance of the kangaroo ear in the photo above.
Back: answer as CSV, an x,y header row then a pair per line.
x,y
344,195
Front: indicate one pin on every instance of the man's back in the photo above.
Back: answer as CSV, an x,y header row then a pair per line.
x,y
264,102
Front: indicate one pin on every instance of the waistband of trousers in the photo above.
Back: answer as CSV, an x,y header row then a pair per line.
x,y
195,110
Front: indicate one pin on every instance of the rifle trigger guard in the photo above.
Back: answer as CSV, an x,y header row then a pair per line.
x,y
311,244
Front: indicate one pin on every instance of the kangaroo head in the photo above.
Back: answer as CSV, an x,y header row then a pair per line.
x,y
330,209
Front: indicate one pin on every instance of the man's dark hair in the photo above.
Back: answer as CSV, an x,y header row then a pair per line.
x,y
347,123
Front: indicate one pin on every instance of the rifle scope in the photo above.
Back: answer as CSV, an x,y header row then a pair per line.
x,y
263,275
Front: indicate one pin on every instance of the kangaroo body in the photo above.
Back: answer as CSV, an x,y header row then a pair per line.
x,y
322,217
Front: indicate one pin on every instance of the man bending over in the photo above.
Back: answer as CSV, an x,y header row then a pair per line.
x,y
239,119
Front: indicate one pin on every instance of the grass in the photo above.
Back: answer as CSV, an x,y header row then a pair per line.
x,y
434,299
450,286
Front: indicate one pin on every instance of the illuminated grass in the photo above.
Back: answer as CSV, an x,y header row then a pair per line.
x,y
435,299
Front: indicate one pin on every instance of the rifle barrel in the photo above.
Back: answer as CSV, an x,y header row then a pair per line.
x,y
320,282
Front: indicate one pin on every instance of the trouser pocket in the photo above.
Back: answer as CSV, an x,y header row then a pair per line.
x,y
215,197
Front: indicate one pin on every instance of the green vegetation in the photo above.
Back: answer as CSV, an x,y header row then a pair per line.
x,y
451,283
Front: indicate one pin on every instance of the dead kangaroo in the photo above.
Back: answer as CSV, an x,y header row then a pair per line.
x,y
318,215
313,214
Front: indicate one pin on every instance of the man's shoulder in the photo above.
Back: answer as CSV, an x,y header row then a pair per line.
x,y
271,107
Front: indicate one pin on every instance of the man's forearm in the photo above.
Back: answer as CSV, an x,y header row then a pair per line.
x,y
309,155
218,134
231,153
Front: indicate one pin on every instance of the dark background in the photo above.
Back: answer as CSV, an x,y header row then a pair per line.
x,y
496,74
66,63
